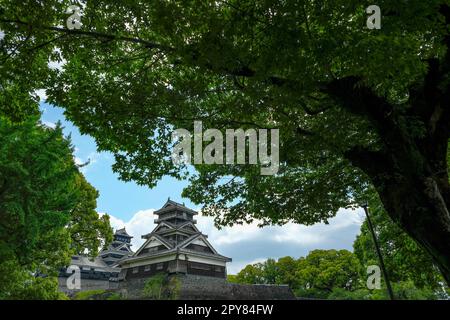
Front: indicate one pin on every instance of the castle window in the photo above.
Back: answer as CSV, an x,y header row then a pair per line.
x,y
159,266
217,269
147,268
135,269
200,266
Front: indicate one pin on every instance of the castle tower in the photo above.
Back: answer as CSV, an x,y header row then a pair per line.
x,y
175,246
119,249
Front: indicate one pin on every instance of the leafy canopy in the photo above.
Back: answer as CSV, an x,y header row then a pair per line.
x,y
405,260
138,69
334,275
47,210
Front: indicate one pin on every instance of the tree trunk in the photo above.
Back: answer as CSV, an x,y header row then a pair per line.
x,y
409,171
414,200
420,210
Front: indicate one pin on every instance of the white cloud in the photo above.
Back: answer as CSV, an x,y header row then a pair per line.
x,y
290,232
247,244
49,124
90,160
78,161
41,94
57,65
141,223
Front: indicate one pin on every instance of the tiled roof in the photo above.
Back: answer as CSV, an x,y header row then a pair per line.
x,y
122,232
170,205
88,262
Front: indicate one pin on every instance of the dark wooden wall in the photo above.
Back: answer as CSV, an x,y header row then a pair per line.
x,y
193,268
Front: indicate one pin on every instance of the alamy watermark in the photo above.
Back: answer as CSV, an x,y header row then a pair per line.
x,y
235,144
374,277
74,21
73,282
374,20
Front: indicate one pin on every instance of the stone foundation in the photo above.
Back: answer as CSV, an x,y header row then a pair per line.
x,y
208,288
87,285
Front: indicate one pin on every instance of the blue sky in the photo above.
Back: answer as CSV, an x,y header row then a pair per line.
x,y
132,206
118,198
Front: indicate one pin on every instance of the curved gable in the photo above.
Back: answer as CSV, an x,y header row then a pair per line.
x,y
153,242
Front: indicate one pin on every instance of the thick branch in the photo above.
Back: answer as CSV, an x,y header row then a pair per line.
x,y
361,100
98,35
373,163
242,71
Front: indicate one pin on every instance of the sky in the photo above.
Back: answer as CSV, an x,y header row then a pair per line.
x,y
132,206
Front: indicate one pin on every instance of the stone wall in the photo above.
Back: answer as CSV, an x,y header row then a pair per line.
x,y
87,285
132,288
194,287
205,288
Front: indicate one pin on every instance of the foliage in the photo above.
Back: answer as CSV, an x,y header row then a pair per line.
x,y
287,267
269,272
89,232
404,259
407,290
251,274
98,295
162,287
333,275
89,294
115,296
404,290
44,202
36,192
122,96
319,271
324,270
154,286
18,283
342,294
357,109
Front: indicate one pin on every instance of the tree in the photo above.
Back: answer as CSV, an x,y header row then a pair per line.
x,y
317,275
286,267
88,231
321,271
251,274
17,282
43,202
232,278
161,286
333,275
405,260
357,109
266,272
404,290
270,271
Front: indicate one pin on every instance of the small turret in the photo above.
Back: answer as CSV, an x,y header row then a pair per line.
x,y
119,249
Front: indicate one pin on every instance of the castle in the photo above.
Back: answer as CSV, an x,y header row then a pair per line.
x,y
175,247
